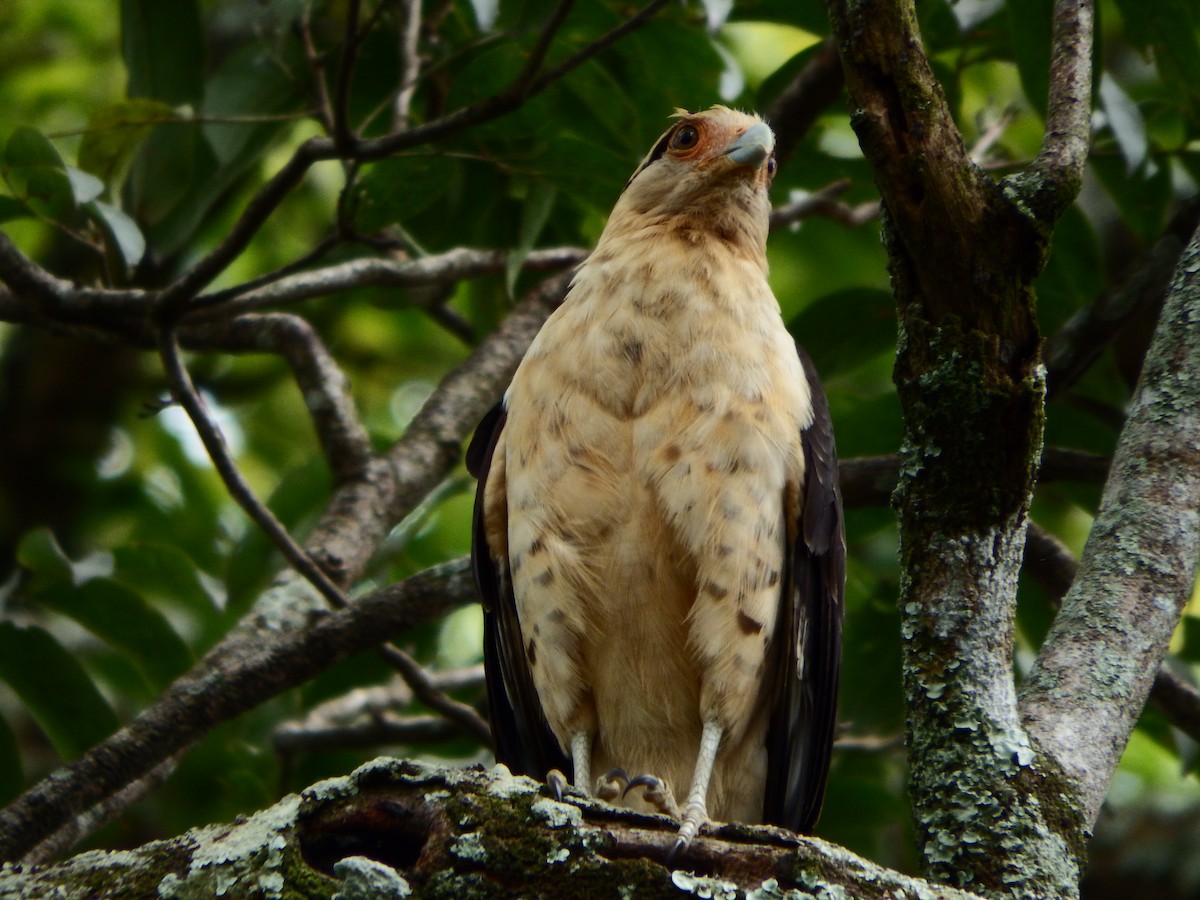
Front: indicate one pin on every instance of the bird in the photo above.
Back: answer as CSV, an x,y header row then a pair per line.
x,y
658,538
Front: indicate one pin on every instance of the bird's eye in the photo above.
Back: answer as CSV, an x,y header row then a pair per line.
x,y
771,167
685,138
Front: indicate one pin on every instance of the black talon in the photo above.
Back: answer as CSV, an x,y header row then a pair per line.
x,y
647,781
557,782
680,844
617,774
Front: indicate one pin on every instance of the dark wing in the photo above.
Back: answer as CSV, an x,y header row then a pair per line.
x,y
522,738
804,714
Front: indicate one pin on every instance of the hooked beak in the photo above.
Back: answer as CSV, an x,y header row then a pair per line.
x,y
753,146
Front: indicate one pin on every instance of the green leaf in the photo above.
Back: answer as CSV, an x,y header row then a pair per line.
x,y
29,147
1074,272
114,134
12,780
1143,197
110,610
1168,27
12,208
85,187
124,232
166,573
162,42
55,688
1125,121
821,328
393,190
49,190
40,555
538,203
1029,40
124,620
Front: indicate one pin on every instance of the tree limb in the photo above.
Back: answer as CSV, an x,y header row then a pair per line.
x,y
209,695
395,827
1052,181
1050,561
963,253
1094,671
218,451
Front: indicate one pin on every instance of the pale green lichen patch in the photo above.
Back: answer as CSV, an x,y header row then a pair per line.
x,y
469,847
367,879
502,783
555,814
704,887
770,890
242,860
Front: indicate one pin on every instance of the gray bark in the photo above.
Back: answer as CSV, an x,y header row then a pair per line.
x,y
1099,661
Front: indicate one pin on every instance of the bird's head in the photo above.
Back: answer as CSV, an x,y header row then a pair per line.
x,y
709,173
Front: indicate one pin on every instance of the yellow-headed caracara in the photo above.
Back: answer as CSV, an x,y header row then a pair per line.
x,y
658,529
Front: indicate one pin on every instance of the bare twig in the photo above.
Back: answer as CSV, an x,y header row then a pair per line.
x,y
296,266
1068,122
991,135
1071,350
815,89
185,392
537,56
316,68
102,813
410,63
426,690
442,268
343,136
324,387
824,202
176,297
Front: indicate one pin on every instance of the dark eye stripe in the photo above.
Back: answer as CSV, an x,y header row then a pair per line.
x,y
656,154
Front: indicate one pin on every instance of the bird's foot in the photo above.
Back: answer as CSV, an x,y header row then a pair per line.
x,y
694,816
657,793
612,784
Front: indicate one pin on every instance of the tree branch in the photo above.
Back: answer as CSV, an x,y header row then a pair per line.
x,y
211,694
395,827
1093,674
343,134
218,451
817,87
323,386
1050,561
175,298
442,268
963,254
1052,181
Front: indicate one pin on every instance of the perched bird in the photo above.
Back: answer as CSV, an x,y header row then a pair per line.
x,y
658,528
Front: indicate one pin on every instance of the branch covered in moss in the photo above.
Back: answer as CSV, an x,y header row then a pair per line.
x,y
395,827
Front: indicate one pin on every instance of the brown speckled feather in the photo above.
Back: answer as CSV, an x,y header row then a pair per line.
x,y
657,533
